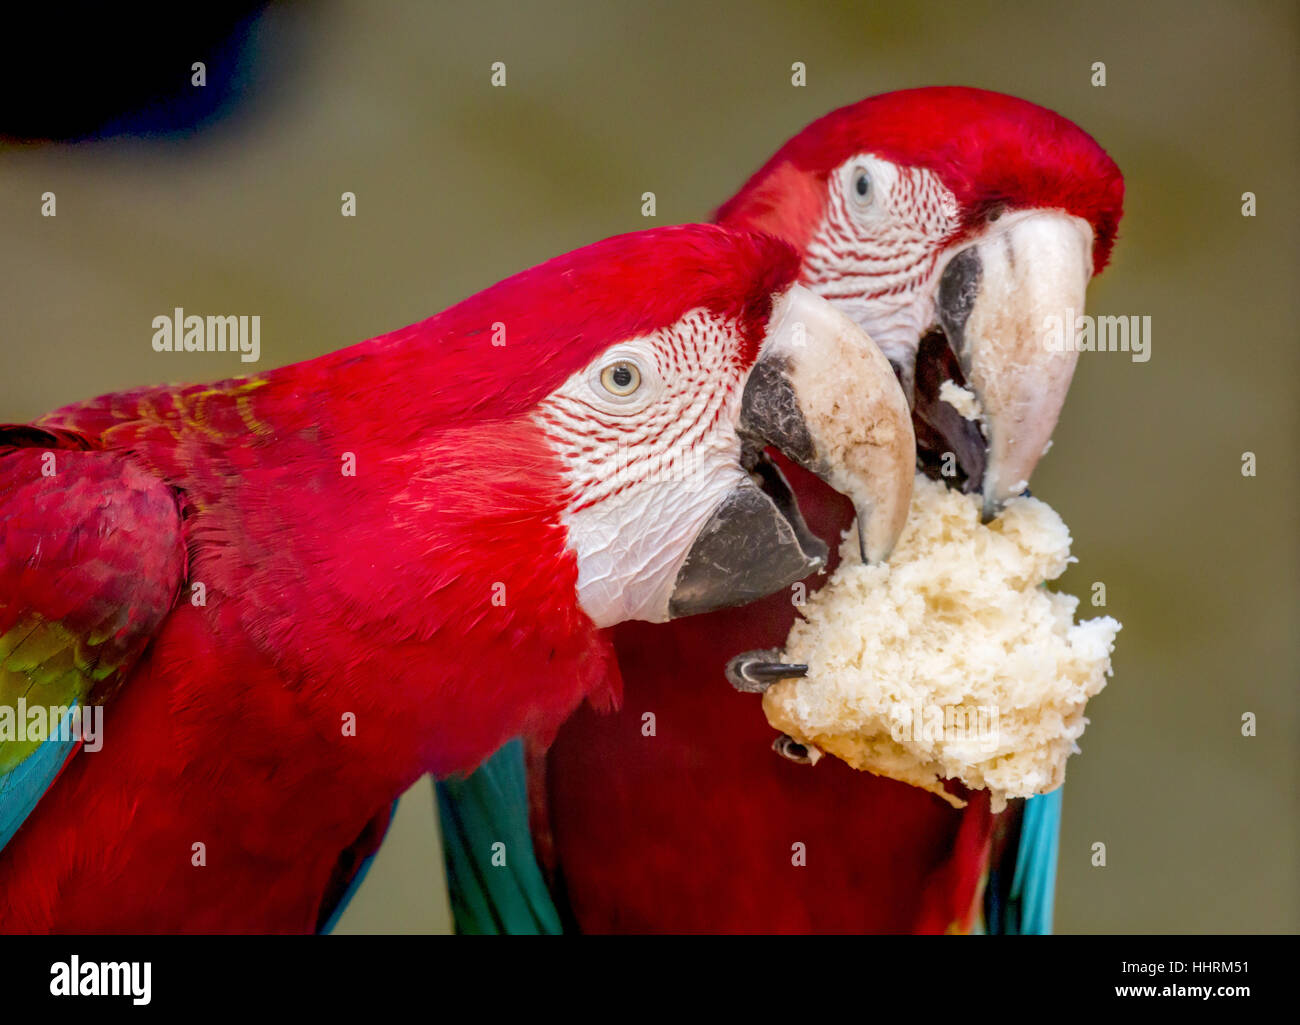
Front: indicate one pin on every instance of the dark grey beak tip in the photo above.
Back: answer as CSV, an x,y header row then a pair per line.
x,y
747,550
993,507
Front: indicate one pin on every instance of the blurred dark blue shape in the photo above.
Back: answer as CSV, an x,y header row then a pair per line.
x,y
71,72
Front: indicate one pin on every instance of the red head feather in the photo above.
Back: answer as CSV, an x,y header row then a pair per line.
x,y
560,315
989,150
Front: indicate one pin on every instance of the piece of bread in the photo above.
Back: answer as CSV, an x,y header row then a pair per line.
x,y
961,399
950,661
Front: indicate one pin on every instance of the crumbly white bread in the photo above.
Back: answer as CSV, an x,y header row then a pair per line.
x,y
950,661
961,399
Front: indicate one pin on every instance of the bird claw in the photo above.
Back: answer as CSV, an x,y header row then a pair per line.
x,y
752,672
791,750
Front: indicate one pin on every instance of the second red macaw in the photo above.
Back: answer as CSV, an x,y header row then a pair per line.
x,y
948,222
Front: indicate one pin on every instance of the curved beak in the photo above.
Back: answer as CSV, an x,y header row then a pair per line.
x,y
1004,303
822,394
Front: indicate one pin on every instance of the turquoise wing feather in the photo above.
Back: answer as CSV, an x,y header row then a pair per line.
x,y
491,806
23,786
494,889
1025,908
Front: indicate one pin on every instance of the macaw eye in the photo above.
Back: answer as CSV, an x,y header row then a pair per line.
x,y
621,378
861,186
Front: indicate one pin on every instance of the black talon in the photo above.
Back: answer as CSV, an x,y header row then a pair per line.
x,y
754,671
773,671
791,750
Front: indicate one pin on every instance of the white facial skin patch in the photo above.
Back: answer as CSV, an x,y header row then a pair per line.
x,y
646,469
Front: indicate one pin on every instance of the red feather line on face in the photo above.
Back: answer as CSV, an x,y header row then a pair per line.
x,y
700,375
989,149
896,261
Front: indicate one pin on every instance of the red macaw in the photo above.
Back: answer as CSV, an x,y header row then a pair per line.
x,y
300,591
947,222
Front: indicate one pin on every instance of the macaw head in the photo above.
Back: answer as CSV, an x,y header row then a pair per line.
x,y
955,214
656,369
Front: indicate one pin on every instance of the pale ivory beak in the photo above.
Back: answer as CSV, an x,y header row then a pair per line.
x,y
1004,303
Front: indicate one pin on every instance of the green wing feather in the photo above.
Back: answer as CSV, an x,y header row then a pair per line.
x,y
1025,907
91,560
489,808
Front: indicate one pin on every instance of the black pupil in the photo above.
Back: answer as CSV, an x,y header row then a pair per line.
x,y
622,376
862,185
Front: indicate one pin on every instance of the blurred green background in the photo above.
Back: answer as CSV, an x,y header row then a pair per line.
x,y
459,184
